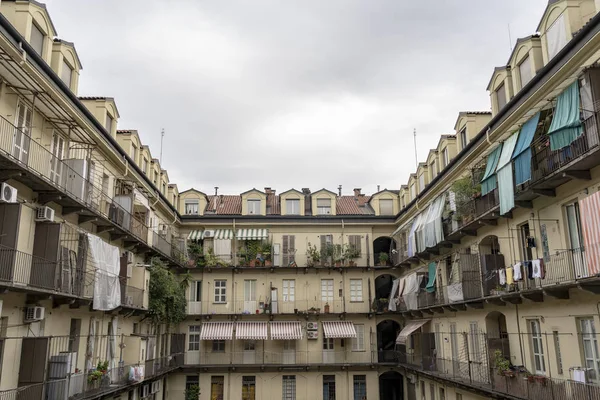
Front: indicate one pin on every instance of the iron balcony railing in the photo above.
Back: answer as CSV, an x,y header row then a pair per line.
x,y
18,147
297,357
131,297
298,307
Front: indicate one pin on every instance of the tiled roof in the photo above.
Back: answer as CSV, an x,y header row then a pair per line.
x,y
477,112
225,204
94,97
351,205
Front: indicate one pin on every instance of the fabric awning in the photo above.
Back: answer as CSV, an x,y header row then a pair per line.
x,y
432,273
566,123
338,329
223,234
522,152
286,330
504,172
216,331
507,151
412,243
420,231
488,182
434,232
251,330
195,235
409,329
252,234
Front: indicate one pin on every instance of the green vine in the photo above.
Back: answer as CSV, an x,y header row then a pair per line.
x,y
192,393
167,301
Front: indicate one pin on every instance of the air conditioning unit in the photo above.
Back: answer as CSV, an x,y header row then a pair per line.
x,y
45,214
34,313
312,326
208,234
155,388
9,194
144,391
129,257
312,334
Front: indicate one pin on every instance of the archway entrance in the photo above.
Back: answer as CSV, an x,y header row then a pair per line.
x,y
391,386
387,332
491,260
382,250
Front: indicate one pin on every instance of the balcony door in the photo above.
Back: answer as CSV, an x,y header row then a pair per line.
x,y
58,153
249,354
576,240
289,352
21,136
250,295
195,304
328,351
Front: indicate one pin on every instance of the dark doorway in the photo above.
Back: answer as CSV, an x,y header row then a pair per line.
x,y
391,386
382,250
387,332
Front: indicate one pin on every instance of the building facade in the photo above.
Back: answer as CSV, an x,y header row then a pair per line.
x,y
478,278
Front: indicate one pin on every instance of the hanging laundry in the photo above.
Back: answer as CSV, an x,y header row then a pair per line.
x,y
502,276
542,268
536,269
530,242
517,272
528,269
509,275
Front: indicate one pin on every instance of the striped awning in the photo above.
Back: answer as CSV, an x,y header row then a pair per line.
x,y
223,234
286,330
216,331
338,329
251,330
252,234
195,235
409,329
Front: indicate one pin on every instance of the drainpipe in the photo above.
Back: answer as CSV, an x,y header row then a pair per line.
x,y
234,251
487,136
519,333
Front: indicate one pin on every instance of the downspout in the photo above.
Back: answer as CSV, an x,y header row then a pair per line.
x,y
487,136
234,247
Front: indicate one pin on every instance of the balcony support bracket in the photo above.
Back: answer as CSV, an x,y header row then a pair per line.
x,y
536,297
512,299
117,236
105,228
439,310
468,232
593,287
496,302
562,294
478,305
427,310
490,222
87,218
45,198
545,192
585,175
416,313
524,204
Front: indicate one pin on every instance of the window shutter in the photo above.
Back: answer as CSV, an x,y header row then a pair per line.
x,y
292,248
323,202
323,242
285,249
354,241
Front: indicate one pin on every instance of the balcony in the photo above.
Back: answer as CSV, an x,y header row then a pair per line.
x,y
278,358
22,271
131,297
480,211
66,182
297,307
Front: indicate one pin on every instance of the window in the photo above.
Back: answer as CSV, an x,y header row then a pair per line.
x,y
442,394
164,188
525,71
537,346
501,96
289,387
194,338
326,242
249,345
437,337
145,165
196,291
386,207
556,37
37,39
360,387
220,291
217,385
292,206
433,169
413,191
323,206
254,207
423,396
328,344
248,387
109,123
559,365
589,340
355,243
218,346
288,250
134,152
421,182
358,343
356,289
463,137
458,396
66,74
432,391
328,387
326,289
474,346
445,157
289,290
191,380
192,207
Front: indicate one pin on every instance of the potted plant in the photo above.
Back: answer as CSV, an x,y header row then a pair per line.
x,y
326,308
351,254
383,258
383,302
266,254
212,261
192,392
196,255
338,255
502,364
313,256
96,378
327,253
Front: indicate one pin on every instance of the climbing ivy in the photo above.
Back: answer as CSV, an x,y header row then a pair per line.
x,y
167,295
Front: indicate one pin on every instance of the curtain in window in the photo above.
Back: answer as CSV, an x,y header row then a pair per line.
x,y
566,123
489,182
522,152
412,242
432,271
420,232
556,36
504,173
589,209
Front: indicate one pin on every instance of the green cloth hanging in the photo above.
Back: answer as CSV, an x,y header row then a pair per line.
x,y
489,182
430,288
566,123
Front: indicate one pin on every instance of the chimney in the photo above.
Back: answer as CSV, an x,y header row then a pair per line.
x,y
216,190
378,187
306,191
340,190
357,192
220,201
269,191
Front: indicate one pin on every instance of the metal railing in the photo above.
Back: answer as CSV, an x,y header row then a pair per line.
x,y
299,307
131,296
17,146
258,357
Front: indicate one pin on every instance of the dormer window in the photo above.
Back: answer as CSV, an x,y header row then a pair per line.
x,y
323,206
556,37
433,169
501,97
66,74
463,137
525,71
164,188
37,39
145,166
413,191
134,150
421,181
386,207
109,123
191,206
254,206
292,206
445,157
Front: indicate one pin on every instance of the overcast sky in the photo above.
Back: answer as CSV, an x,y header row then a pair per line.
x,y
286,94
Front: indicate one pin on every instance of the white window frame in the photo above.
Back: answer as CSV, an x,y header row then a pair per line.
x,y
537,341
67,77
525,65
196,291
358,343
220,291
501,98
556,36
388,203
356,290
462,136
35,29
413,191
194,338
445,157
109,122
327,289
421,182
254,206
328,343
591,355
289,290
189,206
324,210
145,165
218,346
292,206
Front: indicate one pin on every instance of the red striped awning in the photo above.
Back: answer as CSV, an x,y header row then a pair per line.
x,y
286,330
339,329
216,331
251,330
589,210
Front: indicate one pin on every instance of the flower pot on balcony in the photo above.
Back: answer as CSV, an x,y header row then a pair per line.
x,y
268,263
351,264
326,308
254,263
